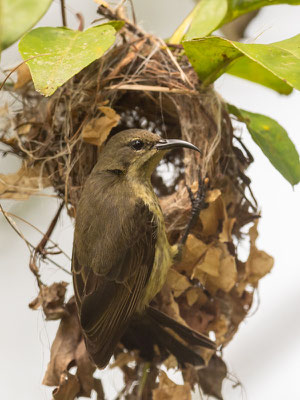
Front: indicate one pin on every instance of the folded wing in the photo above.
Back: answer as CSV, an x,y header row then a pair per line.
x,y
111,273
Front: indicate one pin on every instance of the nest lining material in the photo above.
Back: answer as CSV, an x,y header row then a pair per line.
x,y
151,87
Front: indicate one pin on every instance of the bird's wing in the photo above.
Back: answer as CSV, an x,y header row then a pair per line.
x,y
108,295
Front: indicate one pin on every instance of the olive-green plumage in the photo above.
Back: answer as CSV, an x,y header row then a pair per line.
x,y
121,254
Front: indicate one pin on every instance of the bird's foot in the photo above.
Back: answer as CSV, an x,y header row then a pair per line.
x,y
198,203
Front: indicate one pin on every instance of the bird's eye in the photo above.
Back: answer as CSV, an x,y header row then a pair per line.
x,y
137,144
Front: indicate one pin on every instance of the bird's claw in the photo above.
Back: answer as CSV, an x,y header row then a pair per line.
x,y
198,203
198,199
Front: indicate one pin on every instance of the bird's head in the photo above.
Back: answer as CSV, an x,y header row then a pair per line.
x,y
137,152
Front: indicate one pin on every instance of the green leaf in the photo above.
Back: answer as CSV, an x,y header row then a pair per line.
x,y
247,69
240,7
273,140
17,17
212,56
60,53
209,15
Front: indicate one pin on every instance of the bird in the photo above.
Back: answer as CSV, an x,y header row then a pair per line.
x,y
121,254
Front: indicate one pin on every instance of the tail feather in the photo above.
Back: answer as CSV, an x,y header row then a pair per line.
x,y
188,334
155,328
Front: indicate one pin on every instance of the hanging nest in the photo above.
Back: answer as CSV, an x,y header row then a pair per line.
x,y
143,83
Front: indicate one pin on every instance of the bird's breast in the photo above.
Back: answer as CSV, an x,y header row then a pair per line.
x,y
164,253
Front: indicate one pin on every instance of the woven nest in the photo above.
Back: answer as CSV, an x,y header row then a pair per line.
x,y
142,83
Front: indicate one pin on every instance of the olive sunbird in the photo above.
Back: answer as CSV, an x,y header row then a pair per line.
x,y
121,254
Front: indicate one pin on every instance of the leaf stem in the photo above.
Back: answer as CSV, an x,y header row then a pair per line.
x,y
63,12
143,379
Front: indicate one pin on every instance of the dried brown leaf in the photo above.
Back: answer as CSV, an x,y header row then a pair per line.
x,y
64,346
240,288
177,282
259,263
68,389
227,272
169,390
195,294
198,319
192,253
253,233
122,359
217,270
225,235
67,350
211,377
22,184
99,389
190,375
212,195
210,264
51,298
227,224
220,326
85,370
168,305
25,128
206,354
98,129
171,362
211,217
192,296
24,76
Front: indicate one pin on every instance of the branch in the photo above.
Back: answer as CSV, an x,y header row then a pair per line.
x,y
63,12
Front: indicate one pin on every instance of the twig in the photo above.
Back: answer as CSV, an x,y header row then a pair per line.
x,y
63,12
41,246
175,46
143,380
32,263
81,21
57,265
15,228
111,15
38,230
148,88
132,12
173,59
19,65
249,155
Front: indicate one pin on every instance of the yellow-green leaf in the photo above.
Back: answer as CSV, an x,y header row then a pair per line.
x,y
240,7
212,56
273,140
246,68
17,17
60,53
202,20
209,15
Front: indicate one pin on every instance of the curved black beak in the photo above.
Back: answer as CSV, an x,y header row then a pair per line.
x,y
166,144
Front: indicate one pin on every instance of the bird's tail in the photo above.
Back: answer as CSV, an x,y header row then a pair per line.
x,y
155,328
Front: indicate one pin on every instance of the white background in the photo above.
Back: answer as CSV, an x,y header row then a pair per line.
x,y
265,353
